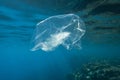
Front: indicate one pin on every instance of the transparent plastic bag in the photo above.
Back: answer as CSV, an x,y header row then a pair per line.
x,y
65,30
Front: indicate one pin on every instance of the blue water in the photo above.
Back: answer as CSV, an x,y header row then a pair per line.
x,y
18,19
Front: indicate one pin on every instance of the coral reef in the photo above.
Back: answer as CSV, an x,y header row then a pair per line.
x,y
103,70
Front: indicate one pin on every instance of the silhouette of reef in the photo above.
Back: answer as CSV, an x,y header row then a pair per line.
x,y
102,70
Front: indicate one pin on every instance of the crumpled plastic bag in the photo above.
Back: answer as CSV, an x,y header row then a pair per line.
x,y
65,30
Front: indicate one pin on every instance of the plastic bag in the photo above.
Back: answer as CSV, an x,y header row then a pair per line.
x,y
65,30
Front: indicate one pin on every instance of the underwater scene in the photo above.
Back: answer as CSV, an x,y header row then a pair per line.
x,y
59,39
